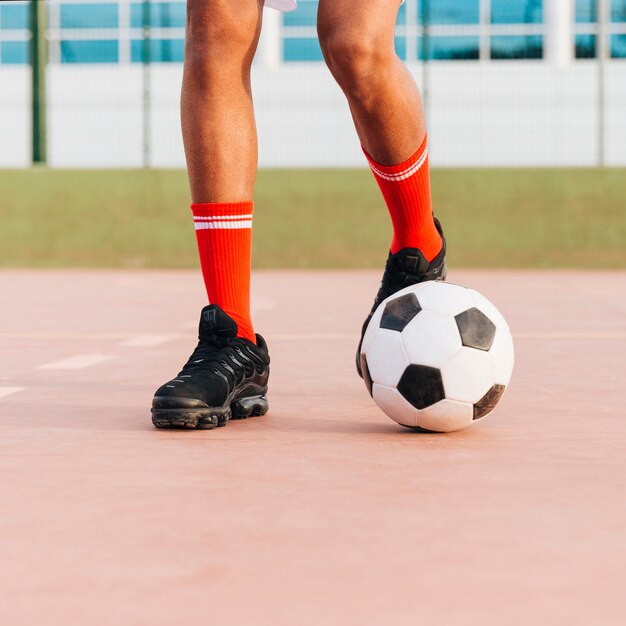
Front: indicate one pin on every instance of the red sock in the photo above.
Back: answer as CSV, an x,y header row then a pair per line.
x,y
406,189
224,234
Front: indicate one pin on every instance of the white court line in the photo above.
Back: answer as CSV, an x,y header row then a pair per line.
x,y
148,341
194,325
315,336
527,335
7,391
78,362
154,340
151,340
570,335
64,336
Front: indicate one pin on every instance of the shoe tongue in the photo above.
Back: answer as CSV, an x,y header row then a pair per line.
x,y
215,323
410,260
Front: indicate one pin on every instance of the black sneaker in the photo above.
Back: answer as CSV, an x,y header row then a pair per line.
x,y
225,377
407,267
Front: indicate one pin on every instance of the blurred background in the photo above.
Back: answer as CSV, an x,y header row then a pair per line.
x,y
526,106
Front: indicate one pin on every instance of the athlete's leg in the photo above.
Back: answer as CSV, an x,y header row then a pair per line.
x,y
221,145
219,131
227,374
357,38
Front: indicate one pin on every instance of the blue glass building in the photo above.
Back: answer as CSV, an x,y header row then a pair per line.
x,y
112,31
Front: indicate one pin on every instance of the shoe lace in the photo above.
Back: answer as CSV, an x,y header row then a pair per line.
x,y
395,279
223,357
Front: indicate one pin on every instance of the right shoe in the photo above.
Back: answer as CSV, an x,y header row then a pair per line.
x,y
225,377
407,267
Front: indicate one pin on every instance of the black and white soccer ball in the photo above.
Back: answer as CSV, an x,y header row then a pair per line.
x,y
437,356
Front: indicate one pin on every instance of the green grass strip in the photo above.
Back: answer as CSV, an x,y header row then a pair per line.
x,y
335,218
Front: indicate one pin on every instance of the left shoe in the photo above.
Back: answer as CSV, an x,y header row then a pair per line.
x,y
225,377
404,268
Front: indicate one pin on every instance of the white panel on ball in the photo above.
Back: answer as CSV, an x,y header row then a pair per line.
x,y
488,309
503,356
431,339
386,360
394,405
468,375
445,298
446,416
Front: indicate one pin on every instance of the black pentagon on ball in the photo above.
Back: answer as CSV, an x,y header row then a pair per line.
x,y
422,386
488,402
399,312
476,329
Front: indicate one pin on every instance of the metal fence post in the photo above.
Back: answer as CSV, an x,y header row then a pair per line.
x,y
147,87
425,48
603,53
411,31
38,60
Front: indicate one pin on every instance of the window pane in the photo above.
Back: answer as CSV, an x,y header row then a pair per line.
x,y
618,11
402,15
162,15
449,12
516,11
517,47
89,16
400,46
585,46
305,15
585,11
302,49
618,46
89,52
448,48
14,16
161,50
14,52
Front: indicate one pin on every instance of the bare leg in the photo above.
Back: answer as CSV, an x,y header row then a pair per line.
x,y
220,139
357,38
218,125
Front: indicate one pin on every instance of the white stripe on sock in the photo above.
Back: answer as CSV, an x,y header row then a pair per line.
x,y
217,218
223,224
407,173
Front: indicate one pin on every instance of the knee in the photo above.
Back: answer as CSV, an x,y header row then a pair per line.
x,y
356,59
219,37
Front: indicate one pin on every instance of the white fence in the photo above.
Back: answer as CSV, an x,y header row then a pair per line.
x,y
520,113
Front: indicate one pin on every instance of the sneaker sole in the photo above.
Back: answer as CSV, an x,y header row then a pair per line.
x,y
189,414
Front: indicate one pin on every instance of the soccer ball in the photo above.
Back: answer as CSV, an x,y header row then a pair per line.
x,y
437,356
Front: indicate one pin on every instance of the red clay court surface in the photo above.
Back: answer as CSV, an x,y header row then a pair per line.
x,y
323,512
